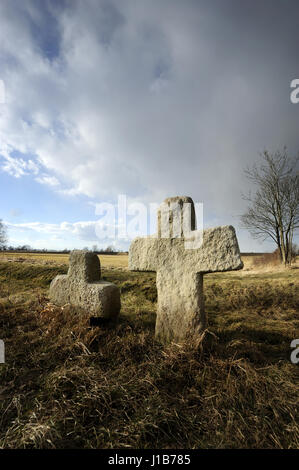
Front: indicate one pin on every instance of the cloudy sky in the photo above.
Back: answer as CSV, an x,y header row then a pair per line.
x,y
144,98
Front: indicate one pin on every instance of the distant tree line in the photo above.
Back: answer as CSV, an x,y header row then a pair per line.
x,y
29,249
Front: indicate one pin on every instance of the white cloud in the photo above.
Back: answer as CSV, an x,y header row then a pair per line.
x,y
60,236
83,230
143,98
18,167
48,180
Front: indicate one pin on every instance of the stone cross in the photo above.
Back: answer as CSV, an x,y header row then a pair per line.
x,y
82,286
180,262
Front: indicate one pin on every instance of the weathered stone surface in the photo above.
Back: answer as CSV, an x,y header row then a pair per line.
x,y
180,309
218,252
82,286
171,215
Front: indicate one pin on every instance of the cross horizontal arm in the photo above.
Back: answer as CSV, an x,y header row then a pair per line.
x,y
219,251
144,254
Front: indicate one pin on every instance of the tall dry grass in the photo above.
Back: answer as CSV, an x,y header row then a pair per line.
x,y
66,385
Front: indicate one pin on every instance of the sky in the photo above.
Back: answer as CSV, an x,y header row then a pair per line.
x,y
147,99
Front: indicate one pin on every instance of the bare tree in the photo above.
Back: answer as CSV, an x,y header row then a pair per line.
x,y
273,210
3,237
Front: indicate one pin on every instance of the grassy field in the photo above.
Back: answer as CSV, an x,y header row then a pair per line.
x,y
107,261
66,385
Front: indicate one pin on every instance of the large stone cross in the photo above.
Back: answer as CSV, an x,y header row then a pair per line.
x,y
180,262
82,286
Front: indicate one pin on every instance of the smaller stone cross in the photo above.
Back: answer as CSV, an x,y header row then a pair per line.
x,y
82,286
180,262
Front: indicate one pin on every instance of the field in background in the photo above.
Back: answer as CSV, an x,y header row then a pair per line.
x,y
115,261
107,261
66,385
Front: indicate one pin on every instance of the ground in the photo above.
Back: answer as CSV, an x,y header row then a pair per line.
x,y
66,385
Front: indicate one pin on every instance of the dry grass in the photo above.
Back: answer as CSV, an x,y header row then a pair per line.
x,y
59,259
66,385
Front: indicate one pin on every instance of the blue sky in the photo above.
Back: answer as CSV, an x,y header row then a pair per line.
x,y
147,99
